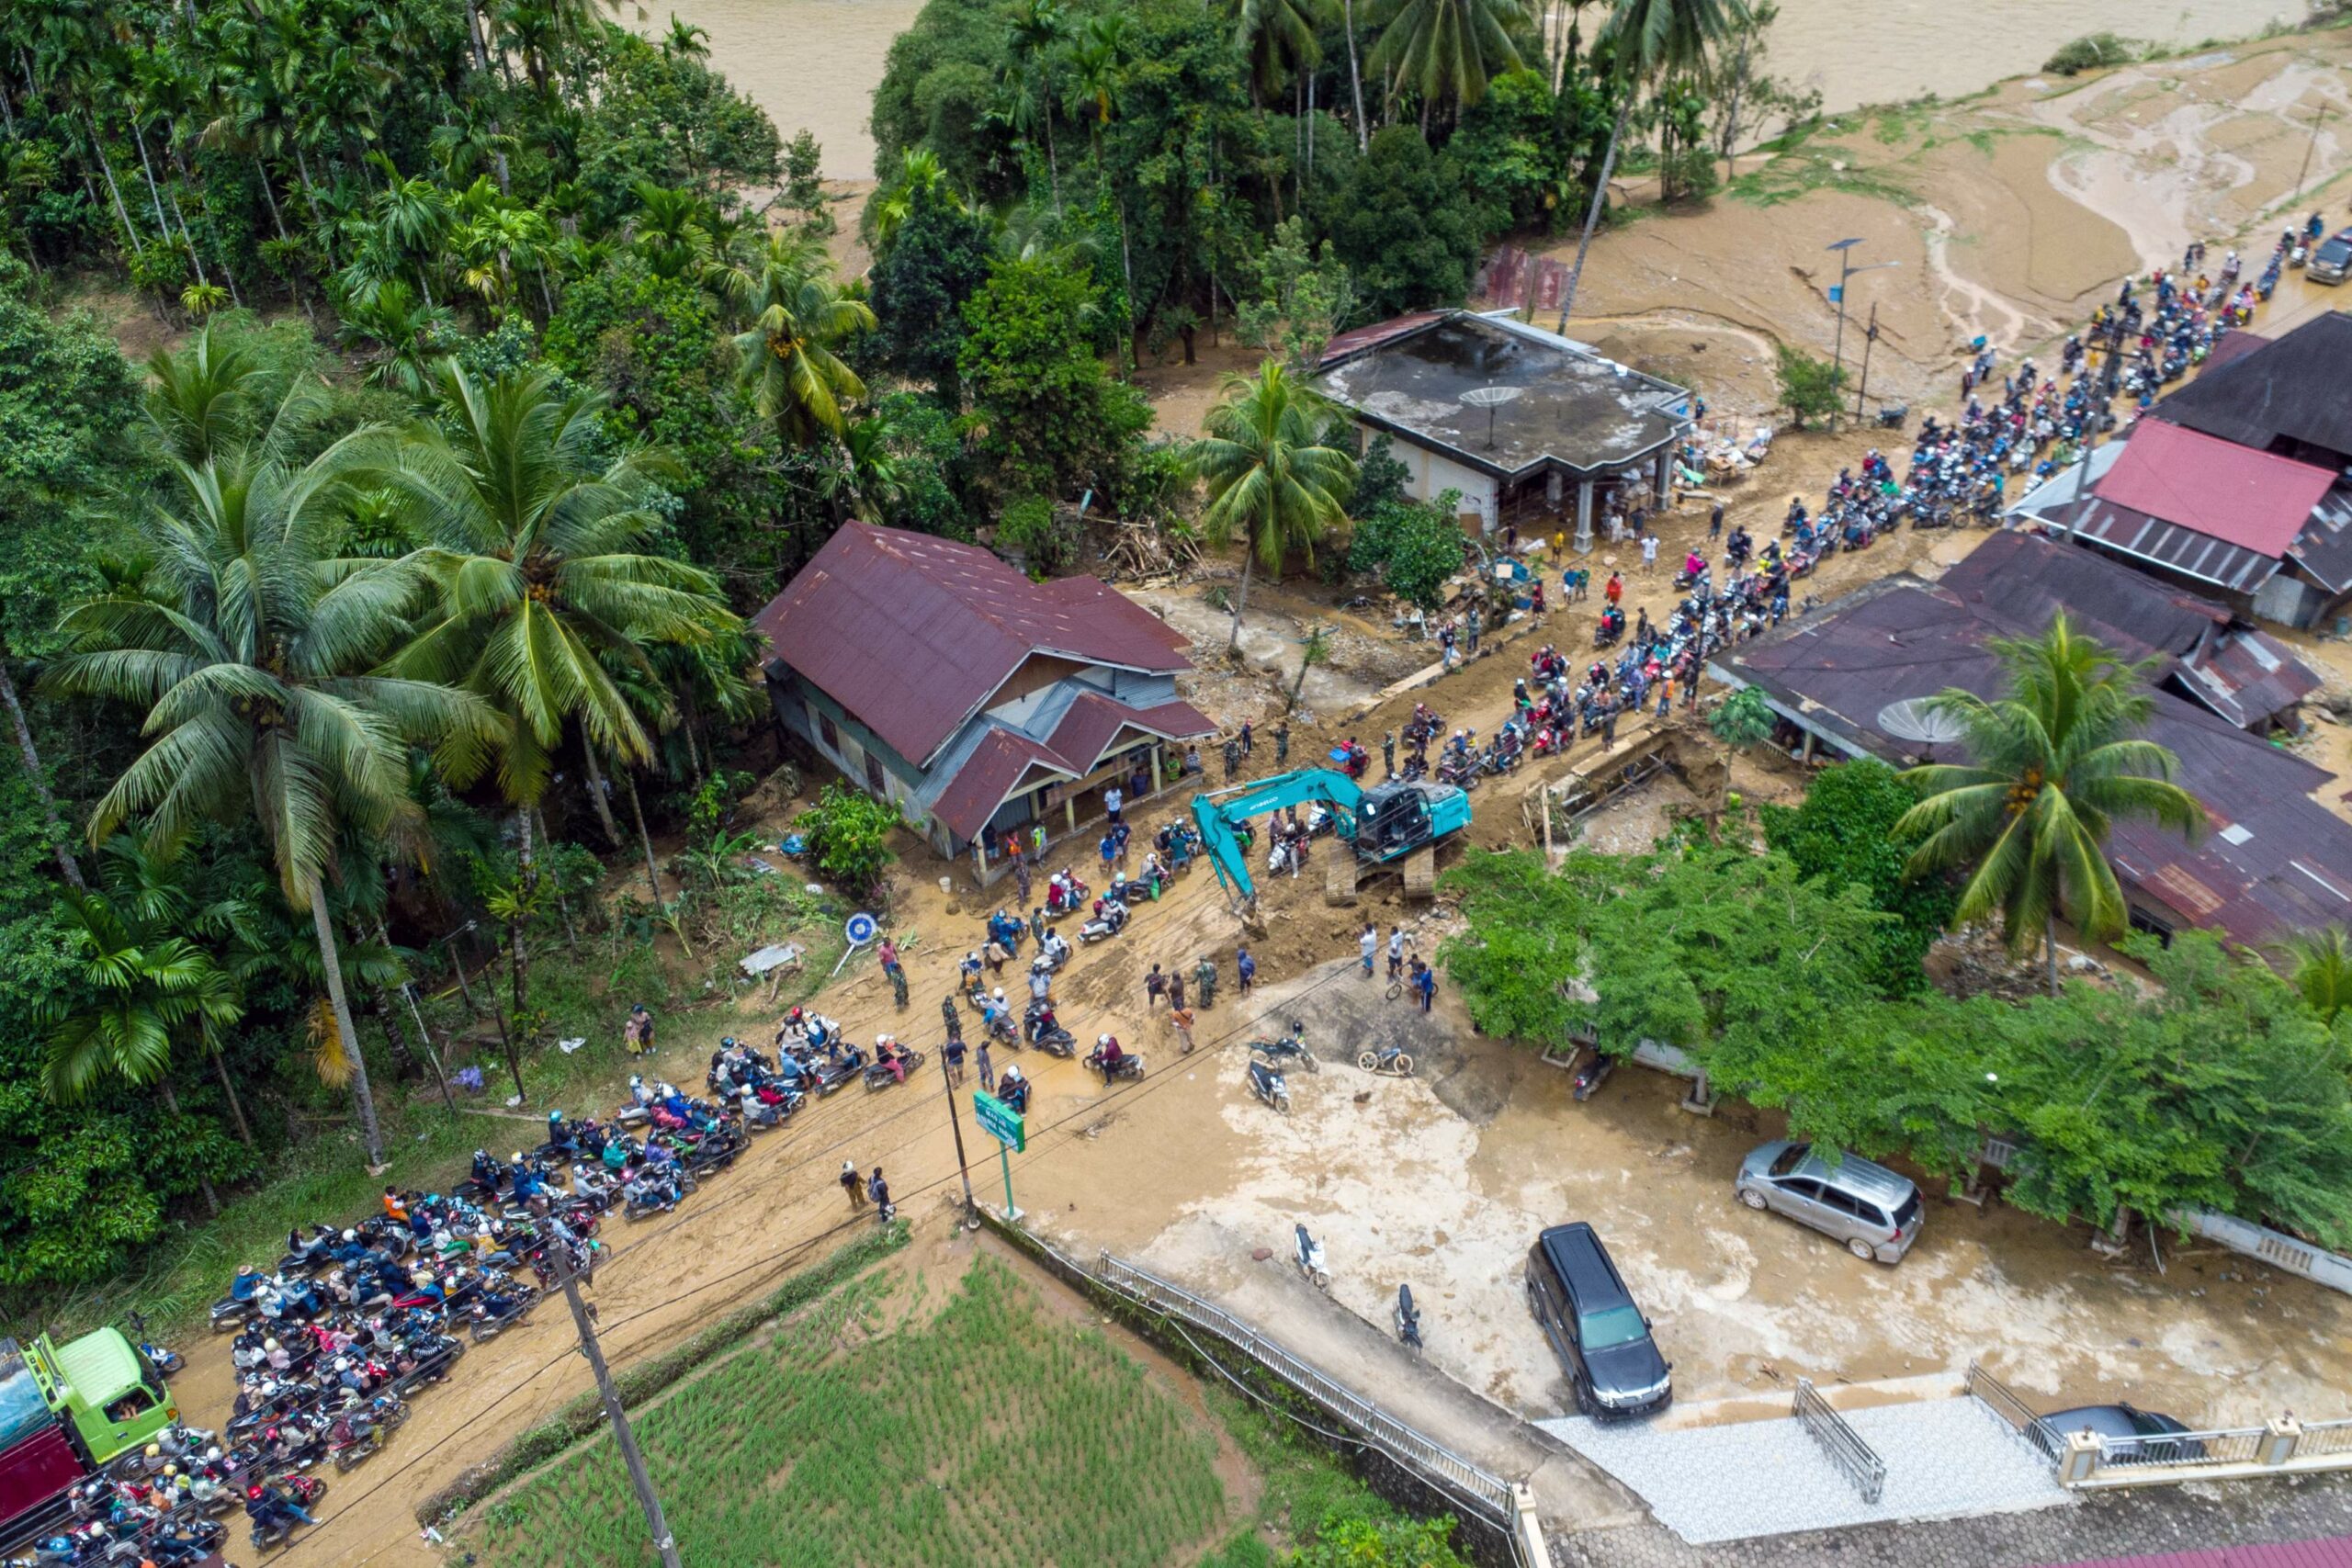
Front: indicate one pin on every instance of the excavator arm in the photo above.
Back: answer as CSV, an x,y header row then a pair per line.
x,y
1214,813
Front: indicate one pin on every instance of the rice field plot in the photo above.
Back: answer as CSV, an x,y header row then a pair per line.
x,y
991,1433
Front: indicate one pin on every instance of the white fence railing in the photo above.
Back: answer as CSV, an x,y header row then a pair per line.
x,y
1474,1487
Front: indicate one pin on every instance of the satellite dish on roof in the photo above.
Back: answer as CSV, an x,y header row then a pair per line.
x,y
1912,720
1490,399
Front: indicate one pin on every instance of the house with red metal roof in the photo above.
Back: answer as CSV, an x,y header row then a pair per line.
x,y
935,676
2270,534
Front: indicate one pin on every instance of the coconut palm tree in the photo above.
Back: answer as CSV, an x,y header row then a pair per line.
x,y
1446,50
253,648
1040,29
537,554
2053,766
1646,40
1268,477
2318,965
785,359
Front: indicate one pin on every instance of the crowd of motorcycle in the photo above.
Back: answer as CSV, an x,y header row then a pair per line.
x,y
2152,333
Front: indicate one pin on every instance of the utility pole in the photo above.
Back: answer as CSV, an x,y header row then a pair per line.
x,y
1870,339
1837,292
2310,147
664,1541
956,1124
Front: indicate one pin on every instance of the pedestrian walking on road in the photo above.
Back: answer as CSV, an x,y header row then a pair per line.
x,y
1368,943
1176,992
1471,626
879,1190
1154,985
986,1068
1244,969
1424,982
952,1053
1282,743
1248,740
1109,848
1716,522
1395,952
1649,552
947,1011
1021,875
1388,751
1205,983
851,1185
1180,1018
1037,843
1232,758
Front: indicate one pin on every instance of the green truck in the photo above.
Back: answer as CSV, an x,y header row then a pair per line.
x,y
66,1411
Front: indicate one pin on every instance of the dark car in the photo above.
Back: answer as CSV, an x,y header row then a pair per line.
x,y
2333,260
1601,1337
2131,1436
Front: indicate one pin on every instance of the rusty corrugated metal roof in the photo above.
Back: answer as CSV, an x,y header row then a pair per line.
x,y
912,633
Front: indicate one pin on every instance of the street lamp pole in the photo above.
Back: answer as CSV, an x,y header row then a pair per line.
x,y
1846,271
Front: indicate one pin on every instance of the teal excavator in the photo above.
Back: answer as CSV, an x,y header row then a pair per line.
x,y
1394,822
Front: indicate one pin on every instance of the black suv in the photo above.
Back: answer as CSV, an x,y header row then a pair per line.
x,y
1601,1337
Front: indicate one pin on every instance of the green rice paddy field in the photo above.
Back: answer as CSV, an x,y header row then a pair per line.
x,y
937,1418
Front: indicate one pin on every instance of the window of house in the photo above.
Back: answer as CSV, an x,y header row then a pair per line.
x,y
873,779
825,727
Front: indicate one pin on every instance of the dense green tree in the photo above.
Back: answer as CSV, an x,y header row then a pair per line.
x,y
2319,966
937,259
1408,224
1511,137
1414,548
2054,764
1844,832
1271,482
1051,418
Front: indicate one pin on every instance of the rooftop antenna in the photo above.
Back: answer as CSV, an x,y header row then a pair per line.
x,y
1490,399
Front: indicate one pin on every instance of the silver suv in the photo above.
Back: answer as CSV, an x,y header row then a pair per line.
x,y
1874,1211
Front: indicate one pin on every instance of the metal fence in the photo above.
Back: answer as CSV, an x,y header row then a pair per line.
x,y
1474,1487
2239,1445
1841,1443
2325,1437
2002,1400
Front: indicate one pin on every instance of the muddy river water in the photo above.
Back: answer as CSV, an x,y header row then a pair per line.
x,y
814,63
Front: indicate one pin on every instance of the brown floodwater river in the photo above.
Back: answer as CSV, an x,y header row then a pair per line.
x,y
814,63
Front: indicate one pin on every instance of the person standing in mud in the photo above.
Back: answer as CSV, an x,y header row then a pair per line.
x,y
1205,982
1388,751
1282,743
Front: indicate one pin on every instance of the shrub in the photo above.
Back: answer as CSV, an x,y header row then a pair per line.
x,y
1414,548
1030,527
1810,389
2088,53
1741,719
849,836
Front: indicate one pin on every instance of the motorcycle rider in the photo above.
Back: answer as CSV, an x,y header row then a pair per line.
x,y
1107,1054
1014,1089
887,1053
1055,947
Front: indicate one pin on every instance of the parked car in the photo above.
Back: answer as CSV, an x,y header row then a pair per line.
x,y
1874,1211
2332,262
1599,1335
2133,1436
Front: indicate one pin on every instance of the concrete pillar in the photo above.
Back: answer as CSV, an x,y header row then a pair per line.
x,y
1807,755
2079,1462
1158,783
1070,811
1582,543
1553,487
2279,1441
981,856
1665,480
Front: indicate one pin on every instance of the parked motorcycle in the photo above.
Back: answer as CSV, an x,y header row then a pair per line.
x,y
1389,1061
482,1325
1310,1260
1593,1071
827,1075
164,1360
1291,1047
1268,1086
1409,1320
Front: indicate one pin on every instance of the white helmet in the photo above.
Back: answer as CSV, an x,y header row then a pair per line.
x,y
1102,1039
997,993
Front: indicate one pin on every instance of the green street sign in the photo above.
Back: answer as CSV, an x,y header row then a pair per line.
x,y
1000,1122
